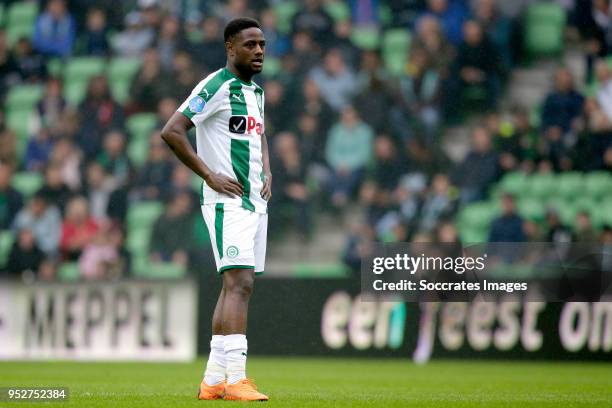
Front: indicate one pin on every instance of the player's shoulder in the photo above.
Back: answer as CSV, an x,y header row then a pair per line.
x,y
213,83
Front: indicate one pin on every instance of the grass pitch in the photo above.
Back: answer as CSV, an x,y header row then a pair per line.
x,y
309,382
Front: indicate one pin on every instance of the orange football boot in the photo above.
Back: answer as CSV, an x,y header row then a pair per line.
x,y
211,392
243,390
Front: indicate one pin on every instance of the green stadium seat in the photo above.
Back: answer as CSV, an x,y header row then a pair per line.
x,y
320,270
395,49
338,10
285,10
27,183
567,211
83,68
272,67
141,125
544,28
143,214
138,150
161,270
478,215
2,14
605,212
122,68
598,184
18,122
541,185
74,92
473,235
514,183
17,31
120,90
23,97
68,271
366,38
55,67
7,238
138,239
569,184
22,12
531,208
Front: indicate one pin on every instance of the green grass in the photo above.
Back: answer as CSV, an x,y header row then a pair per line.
x,y
299,382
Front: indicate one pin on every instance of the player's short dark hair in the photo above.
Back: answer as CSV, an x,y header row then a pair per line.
x,y
237,25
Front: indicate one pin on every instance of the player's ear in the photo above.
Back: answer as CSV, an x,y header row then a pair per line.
x,y
229,47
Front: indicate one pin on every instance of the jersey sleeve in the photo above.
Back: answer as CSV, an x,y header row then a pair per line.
x,y
203,102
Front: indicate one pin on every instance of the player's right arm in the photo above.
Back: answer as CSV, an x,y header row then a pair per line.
x,y
174,134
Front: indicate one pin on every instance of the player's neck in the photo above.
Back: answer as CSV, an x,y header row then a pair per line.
x,y
243,77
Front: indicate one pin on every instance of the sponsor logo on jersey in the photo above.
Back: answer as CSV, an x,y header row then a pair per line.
x,y
245,125
196,104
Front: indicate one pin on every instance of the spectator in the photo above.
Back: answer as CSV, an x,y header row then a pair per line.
x,y
9,73
169,40
388,166
430,40
99,114
148,86
451,14
184,76
94,41
182,181
38,151
44,220
290,181
373,100
584,228
364,12
556,232
165,109
312,103
277,119
54,30
599,109
343,42
135,39
66,155
437,204
55,190
477,66
98,189
335,81
315,21
306,55
26,259
479,168
419,94
508,227
154,177
210,54
276,43
31,65
101,258
497,27
348,151
8,147
11,200
172,236
311,139
50,108
114,159
78,229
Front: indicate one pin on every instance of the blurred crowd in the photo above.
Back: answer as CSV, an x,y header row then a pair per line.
x,y
344,132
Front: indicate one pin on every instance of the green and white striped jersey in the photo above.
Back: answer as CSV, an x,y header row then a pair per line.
x,y
228,115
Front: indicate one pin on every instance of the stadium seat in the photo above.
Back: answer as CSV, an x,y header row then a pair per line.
x,y
161,270
122,68
138,239
366,38
141,125
567,211
137,151
395,49
2,14
598,184
120,90
7,238
284,11
55,67
320,270
18,122
83,68
514,183
478,215
605,212
144,214
23,97
338,10
27,183
544,27
531,208
22,12
473,235
74,92
17,31
569,184
68,271
541,185
272,67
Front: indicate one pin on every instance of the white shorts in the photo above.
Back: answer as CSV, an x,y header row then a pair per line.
x,y
238,236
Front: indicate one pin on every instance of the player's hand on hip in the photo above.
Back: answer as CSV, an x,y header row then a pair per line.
x,y
266,191
225,185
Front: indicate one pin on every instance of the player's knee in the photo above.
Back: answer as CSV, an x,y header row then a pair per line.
x,y
243,286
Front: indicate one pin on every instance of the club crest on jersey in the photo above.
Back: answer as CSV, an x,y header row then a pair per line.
x,y
245,124
196,104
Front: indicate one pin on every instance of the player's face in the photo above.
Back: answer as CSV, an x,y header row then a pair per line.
x,y
247,50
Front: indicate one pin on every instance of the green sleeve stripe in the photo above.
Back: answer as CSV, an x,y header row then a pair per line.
x,y
219,228
259,98
240,164
209,89
225,268
236,97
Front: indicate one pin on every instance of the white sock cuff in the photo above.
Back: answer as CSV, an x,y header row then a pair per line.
x,y
217,342
235,342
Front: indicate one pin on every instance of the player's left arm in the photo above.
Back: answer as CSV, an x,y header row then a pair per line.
x,y
266,191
